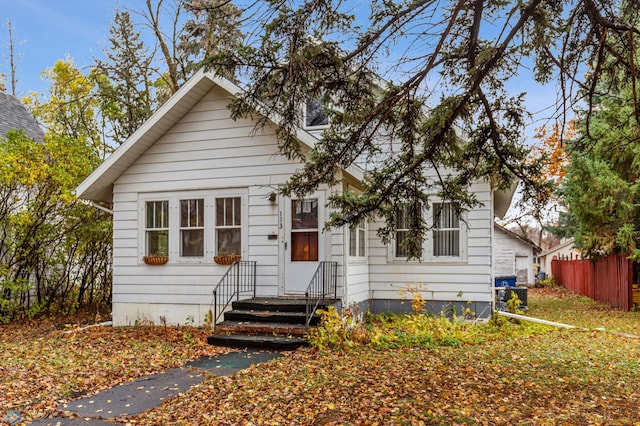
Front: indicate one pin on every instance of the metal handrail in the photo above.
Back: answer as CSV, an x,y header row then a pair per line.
x,y
322,284
239,279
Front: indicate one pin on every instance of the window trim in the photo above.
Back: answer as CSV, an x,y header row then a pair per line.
x,y
217,227
174,198
147,229
394,257
191,227
462,237
427,252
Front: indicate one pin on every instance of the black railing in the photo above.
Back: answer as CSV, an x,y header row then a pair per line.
x,y
240,279
322,286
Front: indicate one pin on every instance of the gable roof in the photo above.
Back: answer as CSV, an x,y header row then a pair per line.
x,y
14,116
512,234
99,185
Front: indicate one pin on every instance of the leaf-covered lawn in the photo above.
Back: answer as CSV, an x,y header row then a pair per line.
x,y
42,366
538,376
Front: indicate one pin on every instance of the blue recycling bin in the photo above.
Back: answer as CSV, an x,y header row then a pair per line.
x,y
506,281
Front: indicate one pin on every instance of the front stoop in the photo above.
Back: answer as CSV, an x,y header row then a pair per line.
x,y
266,323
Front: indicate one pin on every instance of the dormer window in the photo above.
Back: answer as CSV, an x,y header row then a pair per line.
x,y
314,114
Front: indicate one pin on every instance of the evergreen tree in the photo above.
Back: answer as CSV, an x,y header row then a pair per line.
x,y
125,87
601,189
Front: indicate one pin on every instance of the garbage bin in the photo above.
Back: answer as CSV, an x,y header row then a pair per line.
x,y
506,281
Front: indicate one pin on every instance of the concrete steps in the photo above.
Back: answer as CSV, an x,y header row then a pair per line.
x,y
266,323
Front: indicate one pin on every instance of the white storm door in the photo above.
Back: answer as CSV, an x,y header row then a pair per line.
x,y
304,242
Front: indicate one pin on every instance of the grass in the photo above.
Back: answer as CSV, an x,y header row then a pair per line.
x,y
515,374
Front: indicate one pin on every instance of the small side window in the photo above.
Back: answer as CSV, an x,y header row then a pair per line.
x,y
357,240
403,227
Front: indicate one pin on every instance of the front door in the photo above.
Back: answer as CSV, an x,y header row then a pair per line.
x,y
303,241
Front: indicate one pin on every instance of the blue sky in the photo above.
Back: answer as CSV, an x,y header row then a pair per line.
x,y
48,30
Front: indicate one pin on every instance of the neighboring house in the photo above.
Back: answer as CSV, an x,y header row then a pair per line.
x,y
564,250
14,116
193,182
514,256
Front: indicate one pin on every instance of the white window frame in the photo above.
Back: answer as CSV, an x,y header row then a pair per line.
x,y
191,227
462,235
217,227
360,228
210,244
393,255
427,252
147,229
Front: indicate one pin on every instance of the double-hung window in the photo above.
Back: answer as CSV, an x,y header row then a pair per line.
x,y
192,227
445,242
403,228
157,228
228,225
446,230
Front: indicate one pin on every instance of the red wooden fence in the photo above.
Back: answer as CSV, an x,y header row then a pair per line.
x,y
607,280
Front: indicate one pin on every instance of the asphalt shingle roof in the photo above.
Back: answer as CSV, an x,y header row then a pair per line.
x,y
13,115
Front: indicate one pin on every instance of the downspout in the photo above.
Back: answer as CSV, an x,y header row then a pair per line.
x,y
345,267
492,253
99,207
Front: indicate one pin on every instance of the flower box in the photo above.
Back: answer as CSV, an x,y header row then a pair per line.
x,y
155,260
227,259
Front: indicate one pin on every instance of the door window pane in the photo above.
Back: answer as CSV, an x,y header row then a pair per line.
x,y
304,214
304,230
304,246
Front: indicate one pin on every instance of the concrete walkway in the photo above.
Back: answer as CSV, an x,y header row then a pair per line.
x,y
151,391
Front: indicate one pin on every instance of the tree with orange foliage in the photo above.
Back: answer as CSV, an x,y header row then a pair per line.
x,y
552,149
533,219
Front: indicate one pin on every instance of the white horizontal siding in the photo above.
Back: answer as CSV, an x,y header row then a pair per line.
x,y
205,150
357,282
442,281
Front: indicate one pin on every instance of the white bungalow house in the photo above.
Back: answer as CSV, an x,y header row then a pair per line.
x,y
193,182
